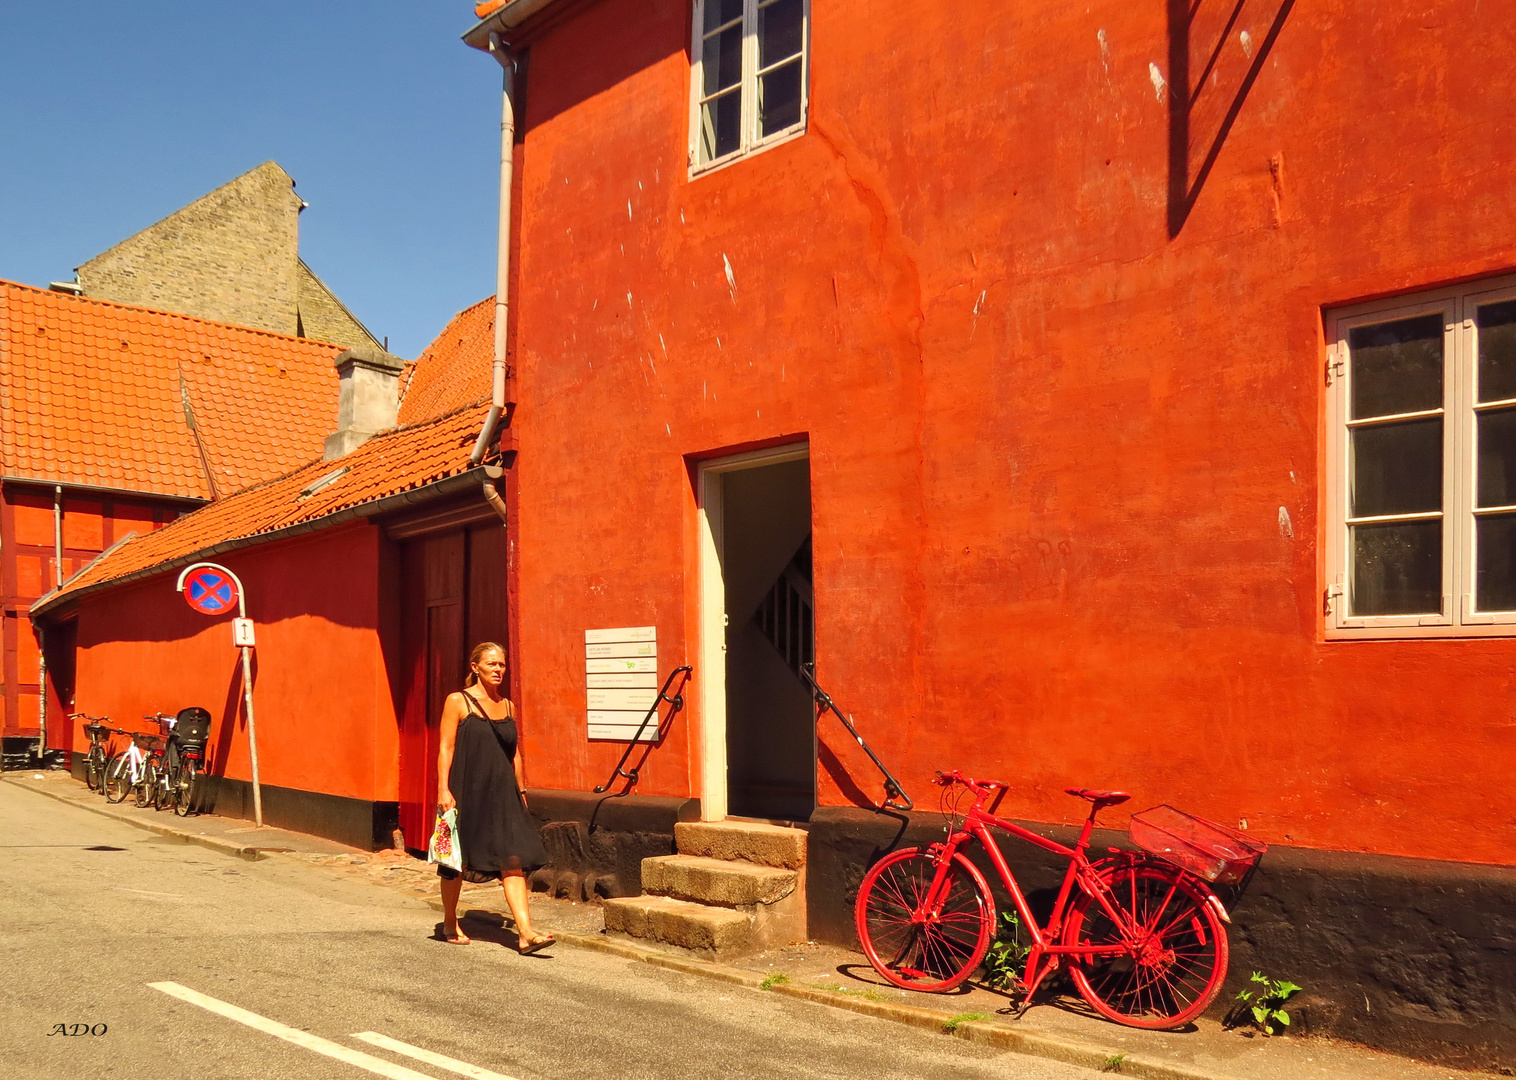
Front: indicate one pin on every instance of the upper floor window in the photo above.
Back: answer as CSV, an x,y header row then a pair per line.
x,y
1421,482
749,78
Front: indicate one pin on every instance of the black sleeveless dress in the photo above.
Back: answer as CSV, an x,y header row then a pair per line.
x,y
495,832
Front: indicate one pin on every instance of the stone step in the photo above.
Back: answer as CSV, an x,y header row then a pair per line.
x,y
754,842
713,932
722,882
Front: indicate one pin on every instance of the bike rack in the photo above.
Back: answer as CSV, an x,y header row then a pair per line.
x,y
677,701
824,703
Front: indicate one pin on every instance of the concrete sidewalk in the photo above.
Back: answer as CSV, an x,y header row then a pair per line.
x,y
1059,1027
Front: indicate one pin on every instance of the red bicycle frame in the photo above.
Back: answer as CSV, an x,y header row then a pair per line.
x,y
1043,957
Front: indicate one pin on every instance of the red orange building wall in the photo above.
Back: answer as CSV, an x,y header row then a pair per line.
x,y
322,701
1060,370
91,521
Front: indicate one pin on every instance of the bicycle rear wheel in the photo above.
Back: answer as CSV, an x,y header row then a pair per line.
x,y
118,778
166,791
1174,951
918,940
185,793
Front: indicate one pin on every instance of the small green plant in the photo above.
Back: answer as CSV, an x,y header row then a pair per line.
x,y
1007,955
774,980
1113,1063
952,1022
1264,1004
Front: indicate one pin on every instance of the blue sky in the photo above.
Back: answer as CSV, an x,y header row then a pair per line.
x,y
113,115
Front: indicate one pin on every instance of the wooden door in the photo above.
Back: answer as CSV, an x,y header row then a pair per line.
x,y
433,609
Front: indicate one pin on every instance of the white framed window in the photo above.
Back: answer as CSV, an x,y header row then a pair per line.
x,y
1421,465
749,79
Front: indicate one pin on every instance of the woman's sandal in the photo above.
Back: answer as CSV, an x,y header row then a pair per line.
x,y
457,937
536,944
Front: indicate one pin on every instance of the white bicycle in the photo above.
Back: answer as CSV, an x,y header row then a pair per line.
x,y
128,771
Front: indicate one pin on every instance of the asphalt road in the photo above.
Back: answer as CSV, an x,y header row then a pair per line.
x,y
87,932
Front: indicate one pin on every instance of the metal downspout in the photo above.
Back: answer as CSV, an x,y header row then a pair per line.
x,y
507,61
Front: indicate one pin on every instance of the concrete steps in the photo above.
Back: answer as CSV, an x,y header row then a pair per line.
x,y
720,882
734,888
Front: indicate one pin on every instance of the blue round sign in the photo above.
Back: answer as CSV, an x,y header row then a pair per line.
x,y
210,592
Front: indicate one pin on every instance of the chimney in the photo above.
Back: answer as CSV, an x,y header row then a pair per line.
x,y
368,398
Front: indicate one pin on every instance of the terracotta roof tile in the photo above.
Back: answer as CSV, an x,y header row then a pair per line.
x,y
399,460
90,393
455,368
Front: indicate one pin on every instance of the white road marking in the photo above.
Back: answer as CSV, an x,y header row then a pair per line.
x,y
289,1034
462,1068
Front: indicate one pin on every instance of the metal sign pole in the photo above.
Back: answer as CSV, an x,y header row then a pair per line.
x,y
252,729
242,637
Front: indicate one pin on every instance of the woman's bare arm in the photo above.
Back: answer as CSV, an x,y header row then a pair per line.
x,y
453,710
520,758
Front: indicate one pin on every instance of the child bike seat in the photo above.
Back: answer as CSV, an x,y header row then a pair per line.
x,y
1099,798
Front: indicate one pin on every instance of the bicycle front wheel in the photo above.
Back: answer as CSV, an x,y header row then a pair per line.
x,y
118,778
94,768
918,937
185,793
1170,957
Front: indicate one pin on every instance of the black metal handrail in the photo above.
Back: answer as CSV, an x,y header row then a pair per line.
x,y
677,703
824,703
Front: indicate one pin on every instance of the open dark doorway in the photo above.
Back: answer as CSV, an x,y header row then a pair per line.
x,y
770,632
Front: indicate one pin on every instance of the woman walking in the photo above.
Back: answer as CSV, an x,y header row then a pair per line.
x,y
479,771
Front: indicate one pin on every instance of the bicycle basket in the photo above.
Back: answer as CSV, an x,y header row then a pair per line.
x,y
95,730
192,728
1202,847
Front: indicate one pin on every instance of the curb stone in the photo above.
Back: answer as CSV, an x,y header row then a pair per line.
x,y
215,843
983,1032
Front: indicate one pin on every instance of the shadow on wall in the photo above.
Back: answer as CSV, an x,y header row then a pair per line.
x,y
231,716
1205,98
631,43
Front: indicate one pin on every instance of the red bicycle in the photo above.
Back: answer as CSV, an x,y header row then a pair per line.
x,y
1143,937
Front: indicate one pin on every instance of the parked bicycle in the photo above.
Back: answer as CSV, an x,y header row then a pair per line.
x,y
127,771
1142,936
184,759
97,759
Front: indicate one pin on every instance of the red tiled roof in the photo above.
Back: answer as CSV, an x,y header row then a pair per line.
x,y
455,368
95,393
397,461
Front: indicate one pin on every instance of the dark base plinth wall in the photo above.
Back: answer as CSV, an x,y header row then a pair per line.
x,y
358,823
596,843
1409,955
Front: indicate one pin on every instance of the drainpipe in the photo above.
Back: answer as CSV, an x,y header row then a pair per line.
x,y
58,537
502,54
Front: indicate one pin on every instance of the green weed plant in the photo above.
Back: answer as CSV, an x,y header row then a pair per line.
x,y
1263,1004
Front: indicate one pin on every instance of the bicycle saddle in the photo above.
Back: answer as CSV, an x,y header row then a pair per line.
x,y
1099,798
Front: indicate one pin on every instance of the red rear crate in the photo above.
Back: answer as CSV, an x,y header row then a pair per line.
x,y
1202,847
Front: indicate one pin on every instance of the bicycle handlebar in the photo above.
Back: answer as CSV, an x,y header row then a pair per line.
x,y
87,716
953,776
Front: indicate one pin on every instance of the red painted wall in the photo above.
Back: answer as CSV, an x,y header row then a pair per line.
x,y
92,521
322,698
1050,440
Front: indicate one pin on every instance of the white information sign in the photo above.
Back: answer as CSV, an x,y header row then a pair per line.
x,y
621,681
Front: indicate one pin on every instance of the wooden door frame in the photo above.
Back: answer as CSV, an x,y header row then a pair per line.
x,y
711,632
